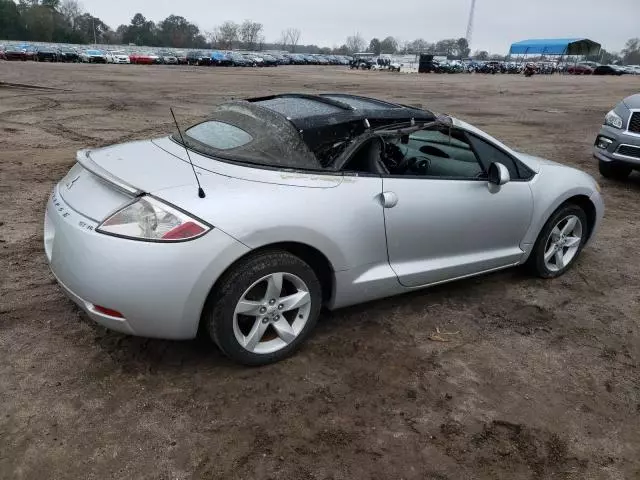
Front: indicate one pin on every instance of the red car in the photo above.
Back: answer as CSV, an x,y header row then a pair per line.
x,y
19,52
143,58
579,70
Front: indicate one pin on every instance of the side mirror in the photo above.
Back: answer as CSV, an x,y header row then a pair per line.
x,y
498,174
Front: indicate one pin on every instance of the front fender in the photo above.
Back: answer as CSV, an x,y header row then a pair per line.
x,y
553,186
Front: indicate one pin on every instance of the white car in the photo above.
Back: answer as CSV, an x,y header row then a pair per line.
x,y
117,56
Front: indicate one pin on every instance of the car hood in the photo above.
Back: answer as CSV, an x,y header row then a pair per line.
x,y
152,166
534,163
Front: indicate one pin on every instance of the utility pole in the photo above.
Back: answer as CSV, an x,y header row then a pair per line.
x,y
470,24
93,21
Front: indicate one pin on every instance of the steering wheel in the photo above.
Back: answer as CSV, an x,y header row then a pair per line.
x,y
421,165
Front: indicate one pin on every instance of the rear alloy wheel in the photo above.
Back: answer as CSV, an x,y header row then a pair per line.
x,y
560,242
614,170
264,308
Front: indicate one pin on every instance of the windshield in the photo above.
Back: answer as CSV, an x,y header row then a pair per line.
x,y
245,132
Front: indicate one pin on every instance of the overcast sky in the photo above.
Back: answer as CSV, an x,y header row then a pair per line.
x,y
498,23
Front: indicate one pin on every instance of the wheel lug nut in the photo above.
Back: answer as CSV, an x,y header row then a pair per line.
x,y
263,309
265,320
277,317
280,307
272,301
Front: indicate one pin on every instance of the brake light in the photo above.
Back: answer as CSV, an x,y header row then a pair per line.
x,y
107,311
186,230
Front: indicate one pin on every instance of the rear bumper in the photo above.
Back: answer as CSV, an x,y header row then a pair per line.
x,y
160,289
618,139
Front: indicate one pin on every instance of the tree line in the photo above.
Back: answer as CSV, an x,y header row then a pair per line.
x,y
64,21
391,45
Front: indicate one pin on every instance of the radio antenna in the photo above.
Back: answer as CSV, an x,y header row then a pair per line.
x,y
200,190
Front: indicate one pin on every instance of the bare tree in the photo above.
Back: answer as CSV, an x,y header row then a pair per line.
x,y
402,45
213,36
355,43
631,51
284,39
228,34
260,42
70,10
293,35
250,33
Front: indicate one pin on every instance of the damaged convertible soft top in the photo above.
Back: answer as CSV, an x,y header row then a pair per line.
x,y
298,131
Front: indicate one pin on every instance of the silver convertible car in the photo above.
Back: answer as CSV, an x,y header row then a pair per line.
x,y
244,225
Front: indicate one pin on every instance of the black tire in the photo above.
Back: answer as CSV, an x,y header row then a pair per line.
x,y
617,171
536,263
219,310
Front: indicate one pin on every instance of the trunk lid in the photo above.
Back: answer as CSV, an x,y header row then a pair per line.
x,y
154,165
91,195
105,179
142,165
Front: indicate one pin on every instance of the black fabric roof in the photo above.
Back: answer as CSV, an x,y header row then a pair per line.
x,y
302,131
326,119
314,111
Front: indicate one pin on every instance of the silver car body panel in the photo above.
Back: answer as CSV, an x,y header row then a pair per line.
x,y
444,229
437,231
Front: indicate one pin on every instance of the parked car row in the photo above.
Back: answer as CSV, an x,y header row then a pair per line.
x,y
493,67
52,53
430,64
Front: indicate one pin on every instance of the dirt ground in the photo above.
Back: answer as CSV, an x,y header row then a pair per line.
x,y
541,381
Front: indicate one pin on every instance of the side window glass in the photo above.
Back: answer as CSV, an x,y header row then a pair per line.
x,y
436,152
489,154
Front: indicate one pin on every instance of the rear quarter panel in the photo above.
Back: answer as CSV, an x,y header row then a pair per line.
x,y
340,216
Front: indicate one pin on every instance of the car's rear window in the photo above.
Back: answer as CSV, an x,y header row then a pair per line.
x,y
219,135
245,132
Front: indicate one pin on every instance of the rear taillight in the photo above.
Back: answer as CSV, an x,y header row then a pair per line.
x,y
107,311
150,219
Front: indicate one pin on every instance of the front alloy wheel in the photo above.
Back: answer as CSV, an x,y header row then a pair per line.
x,y
264,307
563,243
560,242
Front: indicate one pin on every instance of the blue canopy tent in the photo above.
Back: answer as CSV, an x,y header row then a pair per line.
x,y
556,46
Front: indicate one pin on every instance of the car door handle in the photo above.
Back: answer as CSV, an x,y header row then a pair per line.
x,y
389,199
